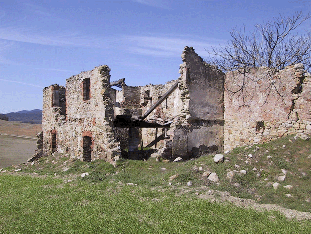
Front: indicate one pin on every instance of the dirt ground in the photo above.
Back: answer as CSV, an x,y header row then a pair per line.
x,y
15,150
18,128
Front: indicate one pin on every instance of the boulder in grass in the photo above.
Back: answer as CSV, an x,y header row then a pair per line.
x,y
178,159
213,177
218,158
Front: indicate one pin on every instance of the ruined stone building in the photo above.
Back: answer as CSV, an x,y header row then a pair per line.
x,y
202,111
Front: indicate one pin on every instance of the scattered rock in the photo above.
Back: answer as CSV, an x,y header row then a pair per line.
x,y
281,178
275,185
200,168
218,158
254,169
236,185
230,175
206,173
269,156
213,177
250,155
288,195
284,146
130,184
18,169
236,166
65,169
284,171
288,186
178,159
173,177
189,183
243,172
302,136
84,174
163,169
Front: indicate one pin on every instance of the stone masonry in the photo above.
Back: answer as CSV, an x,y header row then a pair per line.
x,y
272,104
204,111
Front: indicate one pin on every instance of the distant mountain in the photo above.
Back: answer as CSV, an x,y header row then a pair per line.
x,y
26,116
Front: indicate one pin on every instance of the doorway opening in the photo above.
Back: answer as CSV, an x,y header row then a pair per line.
x,y
87,148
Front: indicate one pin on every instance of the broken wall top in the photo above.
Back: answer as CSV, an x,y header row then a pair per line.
x,y
205,85
264,94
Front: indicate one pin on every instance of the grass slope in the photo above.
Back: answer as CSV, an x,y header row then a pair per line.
x,y
47,205
50,196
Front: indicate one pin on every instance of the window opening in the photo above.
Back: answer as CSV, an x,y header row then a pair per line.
x,y
87,148
86,89
55,98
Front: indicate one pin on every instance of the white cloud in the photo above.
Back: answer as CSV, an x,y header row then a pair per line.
x,y
36,9
169,46
154,3
22,83
52,39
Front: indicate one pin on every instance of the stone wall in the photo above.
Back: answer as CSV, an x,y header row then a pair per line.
x,y
200,127
87,107
261,105
208,111
83,118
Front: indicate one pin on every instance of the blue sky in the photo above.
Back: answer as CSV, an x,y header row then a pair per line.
x,y
43,42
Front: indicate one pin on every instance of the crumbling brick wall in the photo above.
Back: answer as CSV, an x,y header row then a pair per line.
x,y
91,116
200,126
195,109
261,105
208,111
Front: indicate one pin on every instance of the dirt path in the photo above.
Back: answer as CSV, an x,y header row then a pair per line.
x,y
219,196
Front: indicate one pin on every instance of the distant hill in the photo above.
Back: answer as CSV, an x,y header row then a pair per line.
x,y
26,116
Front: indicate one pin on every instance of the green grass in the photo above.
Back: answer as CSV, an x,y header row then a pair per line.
x,y
50,196
48,205
295,157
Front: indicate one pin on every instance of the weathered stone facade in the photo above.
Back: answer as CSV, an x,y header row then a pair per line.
x,y
202,111
84,118
272,104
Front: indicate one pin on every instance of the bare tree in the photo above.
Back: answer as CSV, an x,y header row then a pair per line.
x,y
274,44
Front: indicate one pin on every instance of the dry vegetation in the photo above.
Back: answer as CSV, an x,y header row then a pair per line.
x,y
18,128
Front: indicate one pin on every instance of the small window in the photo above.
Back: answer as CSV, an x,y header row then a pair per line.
x,y
55,98
54,145
86,89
